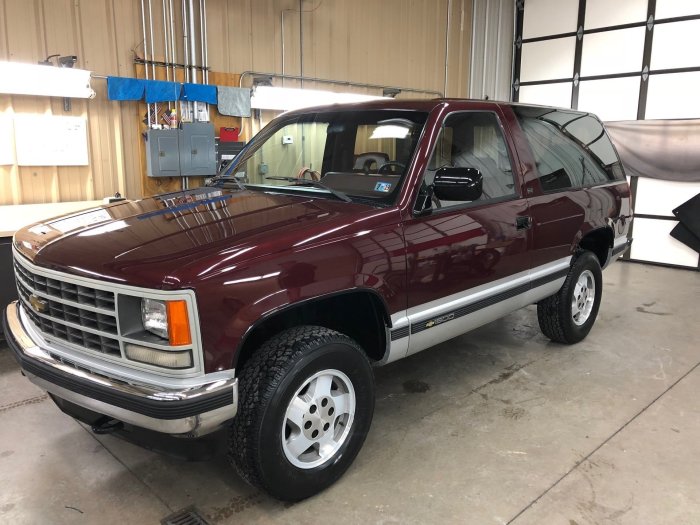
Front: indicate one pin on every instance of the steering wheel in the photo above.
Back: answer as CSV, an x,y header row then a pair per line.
x,y
313,175
390,165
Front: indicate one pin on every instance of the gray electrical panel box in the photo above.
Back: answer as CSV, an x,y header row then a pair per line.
x,y
197,150
163,153
186,152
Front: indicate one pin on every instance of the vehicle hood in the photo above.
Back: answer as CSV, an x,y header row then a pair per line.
x,y
152,242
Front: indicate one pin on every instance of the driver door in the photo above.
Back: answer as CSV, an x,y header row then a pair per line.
x,y
468,261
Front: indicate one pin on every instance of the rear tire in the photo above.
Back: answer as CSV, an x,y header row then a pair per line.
x,y
567,316
306,386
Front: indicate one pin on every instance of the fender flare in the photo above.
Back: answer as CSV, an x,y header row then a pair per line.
x,y
384,312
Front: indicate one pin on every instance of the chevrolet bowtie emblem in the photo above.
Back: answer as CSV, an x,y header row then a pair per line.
x,y
38,304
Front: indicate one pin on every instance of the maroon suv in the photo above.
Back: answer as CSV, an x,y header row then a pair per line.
x,y
341,237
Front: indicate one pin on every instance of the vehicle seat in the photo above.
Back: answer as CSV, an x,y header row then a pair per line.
x,y
496,180
370,160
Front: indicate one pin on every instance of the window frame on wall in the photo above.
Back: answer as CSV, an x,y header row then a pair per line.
x,y
644,74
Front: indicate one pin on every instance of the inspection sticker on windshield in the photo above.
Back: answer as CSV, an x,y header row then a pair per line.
x,y
384,187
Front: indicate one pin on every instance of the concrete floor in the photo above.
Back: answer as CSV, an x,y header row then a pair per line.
x,y
499,426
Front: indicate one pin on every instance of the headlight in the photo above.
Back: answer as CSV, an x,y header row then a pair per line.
x,y
167,319
155,317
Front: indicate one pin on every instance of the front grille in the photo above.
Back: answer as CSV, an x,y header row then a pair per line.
x,y
90,320
66,290
74,313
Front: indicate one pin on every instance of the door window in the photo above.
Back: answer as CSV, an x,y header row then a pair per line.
x,y
470,140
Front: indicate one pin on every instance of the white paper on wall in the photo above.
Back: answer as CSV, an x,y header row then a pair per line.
x,y
46,140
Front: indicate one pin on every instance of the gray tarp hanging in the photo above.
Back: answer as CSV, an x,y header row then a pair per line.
x,y
233,101
660,149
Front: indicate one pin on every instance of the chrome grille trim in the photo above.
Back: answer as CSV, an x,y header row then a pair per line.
x,y
73,333
94,329
75,313
82,317
60,299
65,291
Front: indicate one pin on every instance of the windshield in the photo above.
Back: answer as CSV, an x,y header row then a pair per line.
x,y
357,153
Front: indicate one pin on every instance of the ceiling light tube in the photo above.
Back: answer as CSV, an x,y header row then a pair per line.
x,y
285,99
17,78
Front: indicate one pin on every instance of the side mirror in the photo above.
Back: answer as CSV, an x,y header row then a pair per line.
x,y
458,184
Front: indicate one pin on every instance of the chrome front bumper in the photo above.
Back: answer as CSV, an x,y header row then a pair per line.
x,y
190,411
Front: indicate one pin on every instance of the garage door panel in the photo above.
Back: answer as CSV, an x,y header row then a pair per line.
x,y
653,242
661,197
606,73
674,8
611,99
547,94
676,45
548,59
549,17
613,52
673,96
599,14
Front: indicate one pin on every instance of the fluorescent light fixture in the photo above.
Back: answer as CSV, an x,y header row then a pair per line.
x,y
285,99
390,131
17,78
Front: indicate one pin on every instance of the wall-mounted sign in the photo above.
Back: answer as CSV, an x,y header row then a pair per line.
x,y
45,140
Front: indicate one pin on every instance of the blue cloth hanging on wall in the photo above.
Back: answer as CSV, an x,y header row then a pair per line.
x,y
199,93
122,88
162,91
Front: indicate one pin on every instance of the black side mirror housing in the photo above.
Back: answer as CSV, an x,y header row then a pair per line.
x,y
458,184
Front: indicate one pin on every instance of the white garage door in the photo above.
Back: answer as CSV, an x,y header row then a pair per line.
x,y
623,60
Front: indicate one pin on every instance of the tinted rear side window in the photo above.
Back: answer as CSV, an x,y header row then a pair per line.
x,y
571,149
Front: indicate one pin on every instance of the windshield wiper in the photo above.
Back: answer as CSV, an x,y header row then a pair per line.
x,y
315,184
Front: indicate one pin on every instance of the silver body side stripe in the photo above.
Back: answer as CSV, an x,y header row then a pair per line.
x,y
426,325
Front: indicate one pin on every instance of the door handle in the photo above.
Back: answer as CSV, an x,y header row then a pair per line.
x,y
523,222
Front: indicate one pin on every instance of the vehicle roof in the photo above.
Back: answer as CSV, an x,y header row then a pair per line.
x,y
426,105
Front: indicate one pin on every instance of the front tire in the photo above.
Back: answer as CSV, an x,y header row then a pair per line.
x,y
567,316
305,407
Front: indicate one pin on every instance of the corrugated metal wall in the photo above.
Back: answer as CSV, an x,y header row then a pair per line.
x,y
389,42
102,34
396,42
492,49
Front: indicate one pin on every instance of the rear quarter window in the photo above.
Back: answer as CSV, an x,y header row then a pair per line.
x,y
571,149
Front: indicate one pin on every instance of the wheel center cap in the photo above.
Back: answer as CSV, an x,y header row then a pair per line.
x,y
312,427
319,418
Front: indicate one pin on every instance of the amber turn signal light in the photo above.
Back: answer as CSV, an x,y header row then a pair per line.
x,y
178,323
